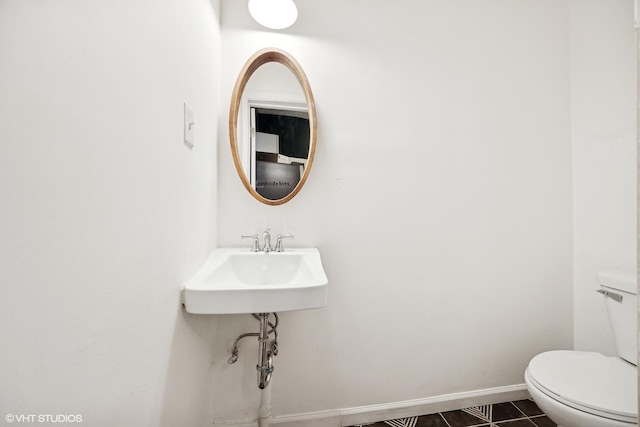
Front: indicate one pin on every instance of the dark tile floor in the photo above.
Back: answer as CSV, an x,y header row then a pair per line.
x,y
521,413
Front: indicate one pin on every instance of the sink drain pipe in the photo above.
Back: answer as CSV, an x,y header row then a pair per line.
x,y
264,412
264,368
265,355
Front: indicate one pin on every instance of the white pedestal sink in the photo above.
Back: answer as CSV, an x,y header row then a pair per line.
x,y
240,281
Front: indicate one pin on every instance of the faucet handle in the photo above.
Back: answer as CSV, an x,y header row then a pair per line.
x,y
279,247
255,245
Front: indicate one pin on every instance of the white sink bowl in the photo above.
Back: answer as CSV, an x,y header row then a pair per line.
x,y
241,281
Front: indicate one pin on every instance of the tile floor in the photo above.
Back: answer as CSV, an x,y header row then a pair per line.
x,y
521,413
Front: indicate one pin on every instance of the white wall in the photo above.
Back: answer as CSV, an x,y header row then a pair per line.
x,y
440,200
104,212
603,126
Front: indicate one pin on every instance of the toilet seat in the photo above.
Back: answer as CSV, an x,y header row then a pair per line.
x,y
589,382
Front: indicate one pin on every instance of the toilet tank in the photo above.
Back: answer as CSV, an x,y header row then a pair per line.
x,y
619,289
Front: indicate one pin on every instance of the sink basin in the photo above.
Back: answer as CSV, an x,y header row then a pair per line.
x,y
240,281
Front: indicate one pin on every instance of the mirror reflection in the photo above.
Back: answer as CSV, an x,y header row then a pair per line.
x,y
275,143
272,127
281,149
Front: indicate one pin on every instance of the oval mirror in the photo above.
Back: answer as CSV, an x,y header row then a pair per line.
x,y
272,126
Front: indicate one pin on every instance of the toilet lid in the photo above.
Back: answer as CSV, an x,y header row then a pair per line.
x,y
591,382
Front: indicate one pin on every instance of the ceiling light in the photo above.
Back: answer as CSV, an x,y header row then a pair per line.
x,y
274,14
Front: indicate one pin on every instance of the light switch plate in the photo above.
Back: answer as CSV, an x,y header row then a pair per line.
x,y
189,127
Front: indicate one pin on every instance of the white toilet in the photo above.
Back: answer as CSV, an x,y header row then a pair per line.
x,y
586,389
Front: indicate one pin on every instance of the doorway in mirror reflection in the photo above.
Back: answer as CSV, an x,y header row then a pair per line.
x,y
279,149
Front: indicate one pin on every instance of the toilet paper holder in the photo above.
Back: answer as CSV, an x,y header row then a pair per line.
x,y
613,295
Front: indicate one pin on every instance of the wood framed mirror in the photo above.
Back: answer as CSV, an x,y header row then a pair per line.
x,y
272,126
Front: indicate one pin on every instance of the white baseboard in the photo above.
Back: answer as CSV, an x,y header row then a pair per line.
x,y
388,411
432,405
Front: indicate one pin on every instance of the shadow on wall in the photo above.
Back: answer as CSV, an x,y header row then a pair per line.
x,y
188,383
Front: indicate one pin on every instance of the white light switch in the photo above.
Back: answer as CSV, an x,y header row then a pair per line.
x,y
189,127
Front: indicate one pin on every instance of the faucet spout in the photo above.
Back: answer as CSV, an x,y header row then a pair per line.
x,y
266,237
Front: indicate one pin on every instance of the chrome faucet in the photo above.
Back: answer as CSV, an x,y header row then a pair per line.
x,y
266,237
